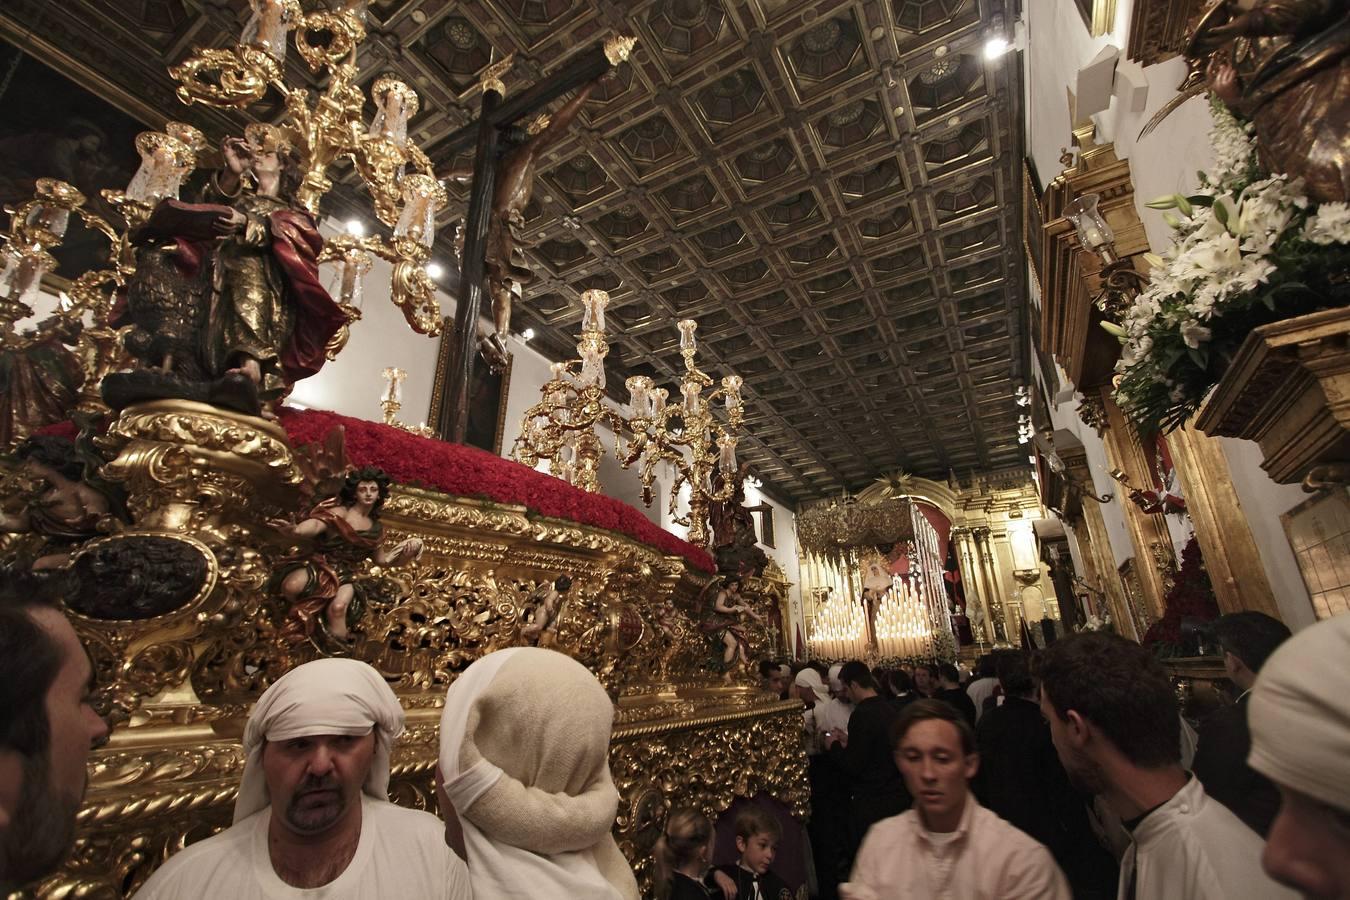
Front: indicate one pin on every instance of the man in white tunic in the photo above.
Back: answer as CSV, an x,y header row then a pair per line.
x,y
1300,721
1113,718
313,817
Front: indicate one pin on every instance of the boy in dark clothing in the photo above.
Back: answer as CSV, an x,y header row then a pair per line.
x,y
757,836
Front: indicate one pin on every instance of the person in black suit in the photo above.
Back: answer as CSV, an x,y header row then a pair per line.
x,y
876,787
950,691
1247,639
1022,780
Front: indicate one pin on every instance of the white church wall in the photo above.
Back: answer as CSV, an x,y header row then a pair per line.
x,y
352,384
1164,162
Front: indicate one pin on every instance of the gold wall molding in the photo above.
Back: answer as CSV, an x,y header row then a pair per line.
x,y
1153,552
1107,573
1288,389
1158,28
1231,555
1070,323
1099,16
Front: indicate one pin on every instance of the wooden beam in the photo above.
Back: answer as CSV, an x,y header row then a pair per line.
x,y
453,418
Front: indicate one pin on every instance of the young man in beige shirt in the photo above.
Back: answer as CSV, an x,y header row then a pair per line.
x,y
947,847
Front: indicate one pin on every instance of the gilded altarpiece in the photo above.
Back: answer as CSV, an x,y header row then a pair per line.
x,y
177,681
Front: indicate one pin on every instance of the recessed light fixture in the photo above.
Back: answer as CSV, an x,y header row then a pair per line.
x,y
435,270
356,228
527,334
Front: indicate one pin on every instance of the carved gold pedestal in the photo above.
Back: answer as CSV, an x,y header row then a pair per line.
x,y
1288,389
183,630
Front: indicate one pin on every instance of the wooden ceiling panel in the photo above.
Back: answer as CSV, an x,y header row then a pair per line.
x,y
821,184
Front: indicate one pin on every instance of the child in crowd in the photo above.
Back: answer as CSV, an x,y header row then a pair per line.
x,y
683,857
757,836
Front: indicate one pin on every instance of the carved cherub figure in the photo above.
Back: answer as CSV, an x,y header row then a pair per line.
x,y
346,531
543,612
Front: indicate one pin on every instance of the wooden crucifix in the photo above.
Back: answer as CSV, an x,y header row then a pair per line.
x,y
497,120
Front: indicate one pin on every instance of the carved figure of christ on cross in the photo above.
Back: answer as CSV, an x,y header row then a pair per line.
x,y
501,184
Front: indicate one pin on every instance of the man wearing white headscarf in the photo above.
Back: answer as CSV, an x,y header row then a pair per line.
x,y
1300,721
313,817
524,780
834,717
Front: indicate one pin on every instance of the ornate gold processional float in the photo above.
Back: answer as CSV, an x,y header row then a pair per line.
x,y
209,538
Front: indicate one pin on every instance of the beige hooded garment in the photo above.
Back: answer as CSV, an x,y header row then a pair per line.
x,y
525,759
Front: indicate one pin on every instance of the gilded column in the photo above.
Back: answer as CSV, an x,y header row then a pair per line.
x,y
989,578
1231,556
1107,571
1148,532
971,582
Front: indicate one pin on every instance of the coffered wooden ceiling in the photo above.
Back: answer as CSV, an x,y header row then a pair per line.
x,y
830,187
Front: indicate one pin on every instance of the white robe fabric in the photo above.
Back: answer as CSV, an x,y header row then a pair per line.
x,y
525,837
1300,713
833,714
813,723
1194,847
401,854
326,696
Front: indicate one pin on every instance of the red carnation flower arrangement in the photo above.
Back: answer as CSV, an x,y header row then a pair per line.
x,y
1191,597
464,471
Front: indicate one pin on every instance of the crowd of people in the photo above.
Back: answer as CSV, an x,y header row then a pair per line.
x,y
1066,774
1072,773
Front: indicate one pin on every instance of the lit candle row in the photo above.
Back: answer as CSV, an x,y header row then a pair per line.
x,y
839,630
902,625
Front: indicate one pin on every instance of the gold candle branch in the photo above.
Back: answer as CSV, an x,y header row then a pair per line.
x,y
399,176
688,439
561,427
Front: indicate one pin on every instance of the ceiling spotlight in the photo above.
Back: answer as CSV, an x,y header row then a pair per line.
x,y
435,270
356,228
527,334
996,47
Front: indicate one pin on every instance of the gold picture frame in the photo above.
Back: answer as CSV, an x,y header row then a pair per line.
x,y
1098,15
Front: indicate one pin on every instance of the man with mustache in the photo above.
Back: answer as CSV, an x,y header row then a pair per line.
x,y
313,808
47,728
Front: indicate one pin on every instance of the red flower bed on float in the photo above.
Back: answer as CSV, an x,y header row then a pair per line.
x,y
465,471
1191,597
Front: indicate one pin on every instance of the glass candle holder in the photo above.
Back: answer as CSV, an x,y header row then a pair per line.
x,y
687,328
731,386
658,400
638,388
268,26
423,197
162,168
1094,233
691,390
594,303
394,389
592,363
395,104
350,276
726,453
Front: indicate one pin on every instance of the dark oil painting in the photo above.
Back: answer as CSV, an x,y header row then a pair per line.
x,y
487,406
51,127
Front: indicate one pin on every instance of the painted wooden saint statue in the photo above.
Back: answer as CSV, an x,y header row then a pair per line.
x,y
1285,65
